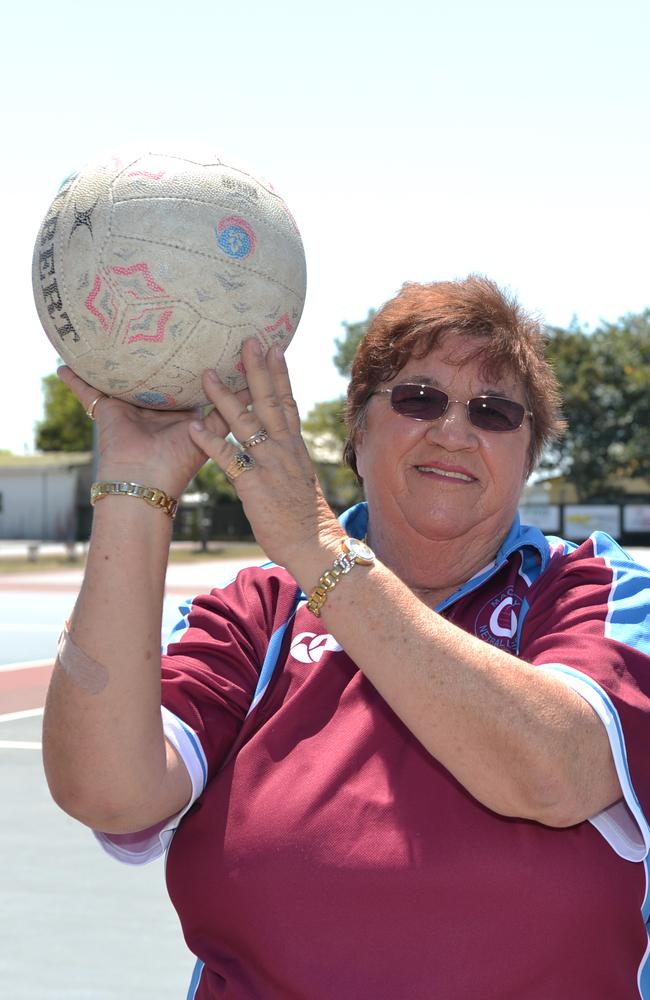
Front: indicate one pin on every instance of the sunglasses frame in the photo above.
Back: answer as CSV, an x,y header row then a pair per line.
x,y
465,403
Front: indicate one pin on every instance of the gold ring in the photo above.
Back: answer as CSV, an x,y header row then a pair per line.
x,y
90,409
241,462
256,438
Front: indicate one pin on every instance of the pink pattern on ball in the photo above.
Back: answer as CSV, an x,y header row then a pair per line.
x,y
147,173
284,321
161,324
105,319
141,268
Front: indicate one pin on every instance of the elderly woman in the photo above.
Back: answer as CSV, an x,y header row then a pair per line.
x,y
407,759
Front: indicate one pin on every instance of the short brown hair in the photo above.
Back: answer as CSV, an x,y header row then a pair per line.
x,y
508,339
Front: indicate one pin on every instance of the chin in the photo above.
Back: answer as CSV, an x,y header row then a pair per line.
x,y
438,526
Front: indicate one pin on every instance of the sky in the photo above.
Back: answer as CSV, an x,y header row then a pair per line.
x,y
412,141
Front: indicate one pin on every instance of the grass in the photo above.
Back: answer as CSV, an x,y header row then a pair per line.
x,y
186,553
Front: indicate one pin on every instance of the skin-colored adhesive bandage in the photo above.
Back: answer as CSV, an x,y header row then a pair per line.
x,y
80,668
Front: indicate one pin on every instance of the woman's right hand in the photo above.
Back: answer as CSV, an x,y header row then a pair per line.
x,y
148,446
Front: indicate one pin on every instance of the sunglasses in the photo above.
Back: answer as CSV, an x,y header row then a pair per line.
x,y
424,402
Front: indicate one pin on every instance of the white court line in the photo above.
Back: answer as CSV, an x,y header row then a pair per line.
x,y
27,713
19,745
25,665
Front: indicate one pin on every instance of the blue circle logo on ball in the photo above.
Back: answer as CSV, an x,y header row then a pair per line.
x,y
235,237
152,397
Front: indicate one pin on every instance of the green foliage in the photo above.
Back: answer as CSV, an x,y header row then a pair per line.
x,y
65,426
605,378
346,346
324,433
324,428
211,480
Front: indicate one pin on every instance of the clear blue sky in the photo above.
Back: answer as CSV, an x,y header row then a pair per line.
x,y
412,141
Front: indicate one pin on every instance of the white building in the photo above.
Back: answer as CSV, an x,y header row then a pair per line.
x,y
43,496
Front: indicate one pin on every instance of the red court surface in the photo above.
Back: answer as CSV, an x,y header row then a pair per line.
x,y
24,687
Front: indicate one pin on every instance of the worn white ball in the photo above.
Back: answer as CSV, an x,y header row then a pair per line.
x,y
149,268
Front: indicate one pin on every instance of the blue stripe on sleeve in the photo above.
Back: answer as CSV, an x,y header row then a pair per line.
x,y
628,615
181,625
195,980
198,749
272,654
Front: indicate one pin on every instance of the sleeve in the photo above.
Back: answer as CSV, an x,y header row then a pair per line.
x,y
211,667
147,845
588,622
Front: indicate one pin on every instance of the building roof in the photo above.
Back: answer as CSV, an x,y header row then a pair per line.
x,y
44,460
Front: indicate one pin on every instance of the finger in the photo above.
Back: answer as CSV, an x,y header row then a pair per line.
x,y
211,443
82,390
214,423
279,372
242,422
86,394
266,404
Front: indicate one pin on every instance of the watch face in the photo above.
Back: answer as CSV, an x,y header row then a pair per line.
x,y
361,552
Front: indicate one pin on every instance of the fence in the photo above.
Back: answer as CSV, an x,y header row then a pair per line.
x,y
628,523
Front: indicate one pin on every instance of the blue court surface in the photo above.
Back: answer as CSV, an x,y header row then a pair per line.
x,y
74,924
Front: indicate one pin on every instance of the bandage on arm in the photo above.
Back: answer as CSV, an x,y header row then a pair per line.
x,y
81,668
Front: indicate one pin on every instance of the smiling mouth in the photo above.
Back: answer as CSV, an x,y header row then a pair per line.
x,y
446,473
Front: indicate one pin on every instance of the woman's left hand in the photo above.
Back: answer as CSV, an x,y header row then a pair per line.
x,y
280,492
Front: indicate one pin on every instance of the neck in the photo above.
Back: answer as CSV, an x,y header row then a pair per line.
x,y
433,568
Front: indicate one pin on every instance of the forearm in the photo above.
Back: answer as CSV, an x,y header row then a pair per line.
x,y
516,737
104,750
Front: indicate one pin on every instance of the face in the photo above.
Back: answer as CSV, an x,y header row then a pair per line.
x,y
445,479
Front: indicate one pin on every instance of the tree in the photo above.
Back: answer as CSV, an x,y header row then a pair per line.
x,y
605,379
212,480
325,434
324,427
65,426
346,347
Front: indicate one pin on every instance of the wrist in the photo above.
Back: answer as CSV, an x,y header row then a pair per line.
x,y
310,558
352,552
151,495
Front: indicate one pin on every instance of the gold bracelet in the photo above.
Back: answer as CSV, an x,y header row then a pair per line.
x,y
153,496
355,552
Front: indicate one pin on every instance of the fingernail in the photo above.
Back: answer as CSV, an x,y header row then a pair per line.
x,y
257,348
278,352
213,376
197,425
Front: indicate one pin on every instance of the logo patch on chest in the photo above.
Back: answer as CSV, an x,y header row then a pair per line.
x,y
307,647
498,620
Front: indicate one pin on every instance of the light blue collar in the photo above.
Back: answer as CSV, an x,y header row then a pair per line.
x,y
522,538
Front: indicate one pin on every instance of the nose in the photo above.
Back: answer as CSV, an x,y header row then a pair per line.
x,y
453,429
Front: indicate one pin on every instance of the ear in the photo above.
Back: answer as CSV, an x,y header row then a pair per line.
x,y
359,452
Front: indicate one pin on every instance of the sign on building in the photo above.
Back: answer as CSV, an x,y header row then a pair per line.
x,y
581,519
636,517
545,516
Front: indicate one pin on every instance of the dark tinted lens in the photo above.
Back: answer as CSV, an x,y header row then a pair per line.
x,y
493,413
422,402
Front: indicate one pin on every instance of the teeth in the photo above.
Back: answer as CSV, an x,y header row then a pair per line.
x,y
446,473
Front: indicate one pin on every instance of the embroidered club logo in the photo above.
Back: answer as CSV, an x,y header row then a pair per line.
x,y
498,620
307,647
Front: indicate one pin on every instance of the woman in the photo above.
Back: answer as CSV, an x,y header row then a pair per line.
x,y
412,770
